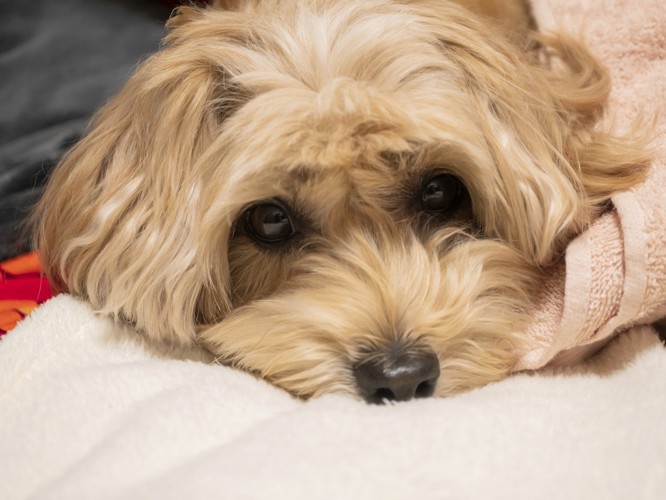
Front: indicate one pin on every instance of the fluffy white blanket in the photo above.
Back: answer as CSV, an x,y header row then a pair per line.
x,y
87,411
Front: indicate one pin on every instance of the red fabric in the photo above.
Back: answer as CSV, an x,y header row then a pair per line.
x,y
22,289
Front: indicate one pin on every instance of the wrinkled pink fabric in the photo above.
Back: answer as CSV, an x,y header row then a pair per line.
x,y
614,275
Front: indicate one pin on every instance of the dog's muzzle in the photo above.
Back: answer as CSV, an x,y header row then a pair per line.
x,y
397,375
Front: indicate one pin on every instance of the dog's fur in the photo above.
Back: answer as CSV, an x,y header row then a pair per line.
x,y
341,110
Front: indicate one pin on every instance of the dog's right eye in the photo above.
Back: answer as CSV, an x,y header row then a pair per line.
x,y
441,194
269,223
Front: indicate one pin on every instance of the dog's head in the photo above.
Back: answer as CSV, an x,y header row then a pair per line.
x,y
337,196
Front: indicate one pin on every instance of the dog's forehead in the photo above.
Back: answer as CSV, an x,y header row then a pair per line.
x,y
339,83
338,119
286,145
350,125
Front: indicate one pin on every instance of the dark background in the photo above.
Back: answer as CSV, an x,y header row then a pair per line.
x,y
59,61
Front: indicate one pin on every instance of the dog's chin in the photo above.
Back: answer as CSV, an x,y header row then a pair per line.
x,y
377,303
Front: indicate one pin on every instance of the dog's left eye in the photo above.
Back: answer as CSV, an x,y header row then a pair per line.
x,y
269,223
441,193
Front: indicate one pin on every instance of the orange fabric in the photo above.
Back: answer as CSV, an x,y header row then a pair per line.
x,y
9,319
22,306
22,289
23,264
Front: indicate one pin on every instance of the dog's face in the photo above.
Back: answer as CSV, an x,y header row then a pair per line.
x,y
353,197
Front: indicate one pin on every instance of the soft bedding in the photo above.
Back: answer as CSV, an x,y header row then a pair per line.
x,y
87,410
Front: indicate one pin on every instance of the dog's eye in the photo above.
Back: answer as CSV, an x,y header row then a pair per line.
x,y
269,223
441,193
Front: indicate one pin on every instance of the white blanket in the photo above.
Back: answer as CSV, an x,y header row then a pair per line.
x,y
89,412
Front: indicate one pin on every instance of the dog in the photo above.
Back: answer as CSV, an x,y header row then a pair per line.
x,y
353,196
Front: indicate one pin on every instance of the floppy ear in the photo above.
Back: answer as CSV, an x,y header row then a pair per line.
x,y
606,162
550,136
540,111
574,138
118,223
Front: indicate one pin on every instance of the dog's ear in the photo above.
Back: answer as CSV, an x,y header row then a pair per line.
x,y
118,223
596,161
551,131
606,161
540,111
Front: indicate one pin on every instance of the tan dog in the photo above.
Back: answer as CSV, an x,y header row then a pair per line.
x,y
351,196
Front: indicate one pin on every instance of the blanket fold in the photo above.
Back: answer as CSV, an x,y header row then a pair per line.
x,y
615,273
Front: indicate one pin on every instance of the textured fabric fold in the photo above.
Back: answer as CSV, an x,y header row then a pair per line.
x,y
615,272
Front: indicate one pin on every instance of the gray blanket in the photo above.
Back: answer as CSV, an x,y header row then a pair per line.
x,y
59,61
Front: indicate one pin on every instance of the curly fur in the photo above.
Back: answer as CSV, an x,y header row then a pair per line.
x,y
338,108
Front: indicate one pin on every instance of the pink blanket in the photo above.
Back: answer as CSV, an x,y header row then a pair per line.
x,y
615,273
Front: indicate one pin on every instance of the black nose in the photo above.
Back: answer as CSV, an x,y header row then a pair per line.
x,y
397,376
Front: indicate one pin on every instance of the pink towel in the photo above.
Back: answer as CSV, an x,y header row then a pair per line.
x,y
615,273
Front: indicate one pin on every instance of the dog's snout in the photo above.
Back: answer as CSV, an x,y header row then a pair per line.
x,y
397,377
